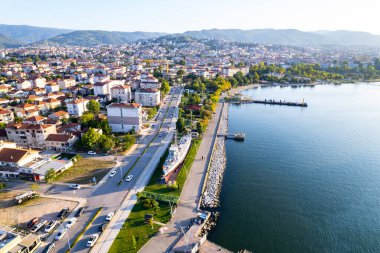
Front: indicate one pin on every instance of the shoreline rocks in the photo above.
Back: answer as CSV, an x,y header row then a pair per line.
x,y
210,197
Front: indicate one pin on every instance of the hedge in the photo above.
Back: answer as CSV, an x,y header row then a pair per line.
x,y
159,197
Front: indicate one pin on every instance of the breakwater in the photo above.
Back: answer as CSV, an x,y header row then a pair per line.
x,y
210,196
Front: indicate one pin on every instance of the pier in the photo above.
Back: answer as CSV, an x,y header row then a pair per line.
x,y
237,136
269,102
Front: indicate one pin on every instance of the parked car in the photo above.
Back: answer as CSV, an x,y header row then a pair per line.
x,y
91,152
75,186
32,222
38,226
70,222
129,178
103,226
61,233
63,213
50,226
109,216
91,242
49,247
80,212
113,173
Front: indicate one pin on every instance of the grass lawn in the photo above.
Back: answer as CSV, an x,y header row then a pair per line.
x,y
155,187
136,226
84,170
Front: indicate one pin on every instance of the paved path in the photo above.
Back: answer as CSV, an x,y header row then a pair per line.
x,y
189,200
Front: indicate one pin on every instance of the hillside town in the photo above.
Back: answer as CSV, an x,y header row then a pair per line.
x,y
116,110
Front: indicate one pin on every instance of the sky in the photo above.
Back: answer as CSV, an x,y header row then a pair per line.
x,y
174,16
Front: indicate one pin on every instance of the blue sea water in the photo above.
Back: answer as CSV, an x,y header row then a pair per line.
x,y
305,179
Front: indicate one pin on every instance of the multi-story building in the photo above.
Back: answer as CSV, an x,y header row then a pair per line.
x,y
77,107
6,116
66,83
124,117
103,89
122,93
149,82
148,97
52,87
29,135
24,84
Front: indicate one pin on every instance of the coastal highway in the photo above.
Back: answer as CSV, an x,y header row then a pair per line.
x,y
108,194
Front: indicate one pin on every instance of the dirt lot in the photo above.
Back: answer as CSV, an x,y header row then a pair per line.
x,y
85,170
18,215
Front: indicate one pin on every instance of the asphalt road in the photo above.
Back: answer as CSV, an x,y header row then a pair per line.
x,y
107,193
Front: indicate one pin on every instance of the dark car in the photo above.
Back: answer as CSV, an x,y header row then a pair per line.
x,y
63,213
103,227
32,222
49,247
80,212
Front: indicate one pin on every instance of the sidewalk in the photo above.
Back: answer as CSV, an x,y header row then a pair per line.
x,y
190,197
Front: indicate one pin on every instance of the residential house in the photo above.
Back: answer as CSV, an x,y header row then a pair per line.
x,y
66,83
29,135
60,142
59,115
52,87
6,116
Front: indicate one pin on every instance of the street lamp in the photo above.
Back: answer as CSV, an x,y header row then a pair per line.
x,y
67,233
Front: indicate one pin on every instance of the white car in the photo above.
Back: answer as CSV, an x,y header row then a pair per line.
x,y
75,186
129,178
70,222
113,173
91,152
38,226
109,216
61,233
91,242
50,226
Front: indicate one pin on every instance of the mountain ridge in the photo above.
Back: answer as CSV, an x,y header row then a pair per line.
x,y
38,35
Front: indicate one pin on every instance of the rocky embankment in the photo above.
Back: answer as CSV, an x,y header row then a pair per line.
x,y
210,198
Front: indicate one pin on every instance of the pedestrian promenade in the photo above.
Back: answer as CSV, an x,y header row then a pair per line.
x,y
190,197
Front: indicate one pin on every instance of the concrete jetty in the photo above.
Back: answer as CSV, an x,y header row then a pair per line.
x,y
269,102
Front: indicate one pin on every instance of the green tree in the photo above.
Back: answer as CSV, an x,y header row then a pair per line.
x,y
105,143
165,87
200,127
87,118
49,175
181,125
93,106
129,140
91,138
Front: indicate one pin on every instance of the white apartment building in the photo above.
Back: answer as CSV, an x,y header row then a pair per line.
x,y
123,117
122,93
77,107
148,81
24,84
148,97
66,83
51,87
103,89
